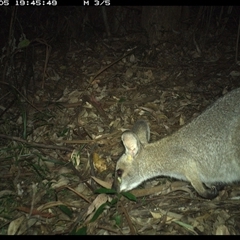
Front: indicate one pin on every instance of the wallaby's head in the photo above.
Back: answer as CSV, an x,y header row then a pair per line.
x,y
128,172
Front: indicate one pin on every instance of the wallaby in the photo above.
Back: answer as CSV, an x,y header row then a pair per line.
x,y
206,150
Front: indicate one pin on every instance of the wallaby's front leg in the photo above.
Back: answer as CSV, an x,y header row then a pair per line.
x,y
196,182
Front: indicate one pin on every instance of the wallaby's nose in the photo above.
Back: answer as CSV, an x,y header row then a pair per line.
x,y
115,185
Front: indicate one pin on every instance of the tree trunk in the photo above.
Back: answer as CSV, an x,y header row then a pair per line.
x,y
161,21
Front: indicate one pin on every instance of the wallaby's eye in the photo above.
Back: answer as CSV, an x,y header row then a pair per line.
x,y
119,172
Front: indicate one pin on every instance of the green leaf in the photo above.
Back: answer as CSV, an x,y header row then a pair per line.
x,y
24,43
114,201
122,100
129,196
118,220
63,132
81,231
98,212
66,210
106,190
185,225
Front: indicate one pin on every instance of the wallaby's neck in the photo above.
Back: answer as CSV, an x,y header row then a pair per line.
x,y
159,158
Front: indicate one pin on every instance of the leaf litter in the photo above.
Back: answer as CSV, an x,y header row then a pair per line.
x,y
73,143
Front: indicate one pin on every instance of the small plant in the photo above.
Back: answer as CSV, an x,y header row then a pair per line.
x,y
108,204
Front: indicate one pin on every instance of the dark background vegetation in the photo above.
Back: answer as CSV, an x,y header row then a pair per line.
x,y
66,27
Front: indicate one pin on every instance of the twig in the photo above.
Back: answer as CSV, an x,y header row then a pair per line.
x,y
21,95
48,50
76,192
132,229
10,40
111,64
33,144
92,169
105,20
108,66
108,229
236,56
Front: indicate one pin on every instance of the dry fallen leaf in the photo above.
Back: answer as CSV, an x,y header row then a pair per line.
x,y
98,201
15,225
99,163
170,215
102,183
62,181
75,159
222,230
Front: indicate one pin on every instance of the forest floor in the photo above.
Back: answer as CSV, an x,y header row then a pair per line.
x,y
60,142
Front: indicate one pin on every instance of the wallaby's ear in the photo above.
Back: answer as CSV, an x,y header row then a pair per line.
x,y
142,130
131,143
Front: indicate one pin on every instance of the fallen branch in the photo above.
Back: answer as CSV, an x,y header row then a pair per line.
x,y
34,144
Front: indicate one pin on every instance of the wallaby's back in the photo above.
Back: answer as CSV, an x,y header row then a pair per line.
x,y
205,150
213,139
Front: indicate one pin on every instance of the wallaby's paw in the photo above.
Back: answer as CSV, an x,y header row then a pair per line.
x,y
219,186
210,193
